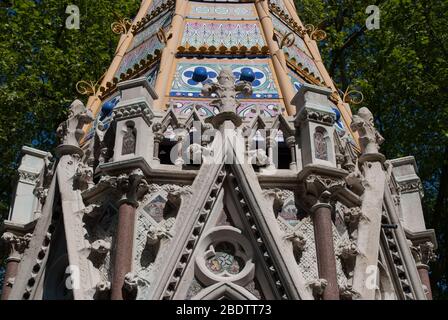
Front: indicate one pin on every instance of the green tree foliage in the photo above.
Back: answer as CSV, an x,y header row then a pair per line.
x,y
402,69
40,63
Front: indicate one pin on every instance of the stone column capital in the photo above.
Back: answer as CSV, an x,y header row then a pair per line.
x,y
319,185
423,253
17,244
132,187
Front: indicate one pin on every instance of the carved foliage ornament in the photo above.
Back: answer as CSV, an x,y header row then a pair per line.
x,y
423,253
316,116
17,244
327,183
411,187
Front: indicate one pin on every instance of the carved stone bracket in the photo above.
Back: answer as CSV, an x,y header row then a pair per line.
x,y
99,250
352,215
297,239
102,290
348,293
348,250
277,197
318,287
130,286
155,235
83,179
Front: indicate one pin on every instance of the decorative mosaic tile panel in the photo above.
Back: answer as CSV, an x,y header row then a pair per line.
x,y
199,33
138,53
296,81
152,74
184,86
216,11
294,53
247,109
163,21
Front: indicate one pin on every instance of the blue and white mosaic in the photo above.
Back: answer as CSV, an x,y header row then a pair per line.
x,y
185,86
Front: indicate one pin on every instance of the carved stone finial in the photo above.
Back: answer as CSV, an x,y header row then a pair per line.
x,y
71,130
226,90
369,137
177,193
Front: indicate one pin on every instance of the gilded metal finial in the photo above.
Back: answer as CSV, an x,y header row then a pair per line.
x,y
87,88
121,26
288,40
163,36
353,96
315,33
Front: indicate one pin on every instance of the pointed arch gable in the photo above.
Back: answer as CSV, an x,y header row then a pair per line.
x,y
225,290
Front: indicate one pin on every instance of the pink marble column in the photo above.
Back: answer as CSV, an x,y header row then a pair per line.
x,y
12,265
326,259
423,271
17,245
123,249
132,187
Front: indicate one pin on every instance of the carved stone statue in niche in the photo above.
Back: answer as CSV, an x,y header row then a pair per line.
x,y
129,139
320,145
